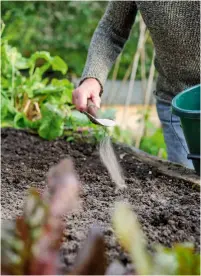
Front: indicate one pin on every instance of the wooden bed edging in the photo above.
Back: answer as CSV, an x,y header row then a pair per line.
x,y
166,167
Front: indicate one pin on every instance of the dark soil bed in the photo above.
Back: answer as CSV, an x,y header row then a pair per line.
x,y
167,207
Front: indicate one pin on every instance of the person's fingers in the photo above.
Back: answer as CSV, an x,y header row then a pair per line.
x,y
96,100
88,91
80,100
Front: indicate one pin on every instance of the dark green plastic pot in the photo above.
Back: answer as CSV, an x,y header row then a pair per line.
x,y
186,105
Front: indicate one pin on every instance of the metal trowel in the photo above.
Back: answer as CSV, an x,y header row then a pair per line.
x,y
98,121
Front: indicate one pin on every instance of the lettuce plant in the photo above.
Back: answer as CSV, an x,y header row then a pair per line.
x,y
32,101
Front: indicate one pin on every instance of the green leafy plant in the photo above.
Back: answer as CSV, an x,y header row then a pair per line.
x,y
152,140
181,259
154,144
37,103
33,101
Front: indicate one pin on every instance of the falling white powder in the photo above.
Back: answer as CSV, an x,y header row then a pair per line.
x,y
109,159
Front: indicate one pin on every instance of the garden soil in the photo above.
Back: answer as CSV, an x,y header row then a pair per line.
x,y
167,208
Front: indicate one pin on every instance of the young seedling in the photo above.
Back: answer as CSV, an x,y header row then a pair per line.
x,y
181,259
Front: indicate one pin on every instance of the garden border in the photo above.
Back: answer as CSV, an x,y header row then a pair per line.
x,y
164,166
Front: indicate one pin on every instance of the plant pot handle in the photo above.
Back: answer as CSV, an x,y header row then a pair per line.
x,y
193,156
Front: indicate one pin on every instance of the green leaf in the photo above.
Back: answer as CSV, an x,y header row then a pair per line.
x,y
21,62
62,83
66,97
40,70
59,64
55,95
52,123
153,143
7,110
181,259
20,121
40,55
6,65
67,86
78,118
50,89
54,99
70,139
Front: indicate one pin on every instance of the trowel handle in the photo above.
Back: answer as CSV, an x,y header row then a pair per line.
x,y
92,108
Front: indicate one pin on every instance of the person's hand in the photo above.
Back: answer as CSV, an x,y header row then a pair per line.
x,y
89,90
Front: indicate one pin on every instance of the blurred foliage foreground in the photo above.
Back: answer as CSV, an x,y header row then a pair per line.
x,y
43,105
30,244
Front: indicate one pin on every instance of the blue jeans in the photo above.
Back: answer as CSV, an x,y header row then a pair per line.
x,y
175,151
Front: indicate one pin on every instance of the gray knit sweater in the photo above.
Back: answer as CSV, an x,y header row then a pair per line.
x,y
175,30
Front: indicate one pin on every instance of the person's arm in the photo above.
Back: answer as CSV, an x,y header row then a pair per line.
x,y
107,43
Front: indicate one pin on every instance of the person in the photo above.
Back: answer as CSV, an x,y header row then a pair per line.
x,y
175,30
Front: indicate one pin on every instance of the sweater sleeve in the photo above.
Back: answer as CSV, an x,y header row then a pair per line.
x,y
109,38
